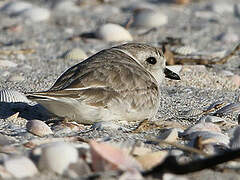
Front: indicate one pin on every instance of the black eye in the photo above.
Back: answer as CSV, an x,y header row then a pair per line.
x,y
151,60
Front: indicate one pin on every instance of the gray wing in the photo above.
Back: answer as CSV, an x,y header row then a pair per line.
x,y
99,80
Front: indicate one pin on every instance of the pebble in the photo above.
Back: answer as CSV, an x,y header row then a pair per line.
x,y
149,18
168,176
38,128
20,167
113,33
8,96
15,7
75,54
56,157
6,63
4,174
36,14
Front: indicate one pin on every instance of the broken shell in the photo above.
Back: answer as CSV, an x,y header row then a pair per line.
x,y
38,128
7,96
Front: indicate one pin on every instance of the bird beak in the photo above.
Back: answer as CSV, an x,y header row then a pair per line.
x,y
170,74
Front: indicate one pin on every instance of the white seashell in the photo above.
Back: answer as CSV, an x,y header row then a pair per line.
x,y
20,167
149,18
36,14
57,157
38,128
235,140
113,33
185,50
6,63
75,54
12,96
15,7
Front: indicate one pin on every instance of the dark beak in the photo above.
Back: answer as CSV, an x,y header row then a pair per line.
x,y
171,75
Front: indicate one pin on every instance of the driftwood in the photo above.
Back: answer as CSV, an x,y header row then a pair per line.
x,y
171,165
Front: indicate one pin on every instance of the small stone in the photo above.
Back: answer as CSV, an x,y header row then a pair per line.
x,y
4,174
6,63
185,50
36,14
149,18
57,157
38,128
75,54
170,135
20,167
113,33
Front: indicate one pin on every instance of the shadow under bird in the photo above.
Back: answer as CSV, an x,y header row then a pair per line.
x,y
116,84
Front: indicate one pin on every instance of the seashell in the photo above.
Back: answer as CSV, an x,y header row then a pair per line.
x,y
113,33
149,18
36,14
20,167
185,50
57,157
235,140
230,108
15,7
12,96
38,128
201,127
75,54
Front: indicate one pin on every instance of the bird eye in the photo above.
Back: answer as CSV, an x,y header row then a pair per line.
x,y
151,60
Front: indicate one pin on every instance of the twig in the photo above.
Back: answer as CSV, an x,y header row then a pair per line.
x,y
172,166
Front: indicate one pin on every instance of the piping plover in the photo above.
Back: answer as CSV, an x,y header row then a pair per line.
x,y
116,84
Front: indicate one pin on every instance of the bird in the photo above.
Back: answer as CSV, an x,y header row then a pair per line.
x,y
121,83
